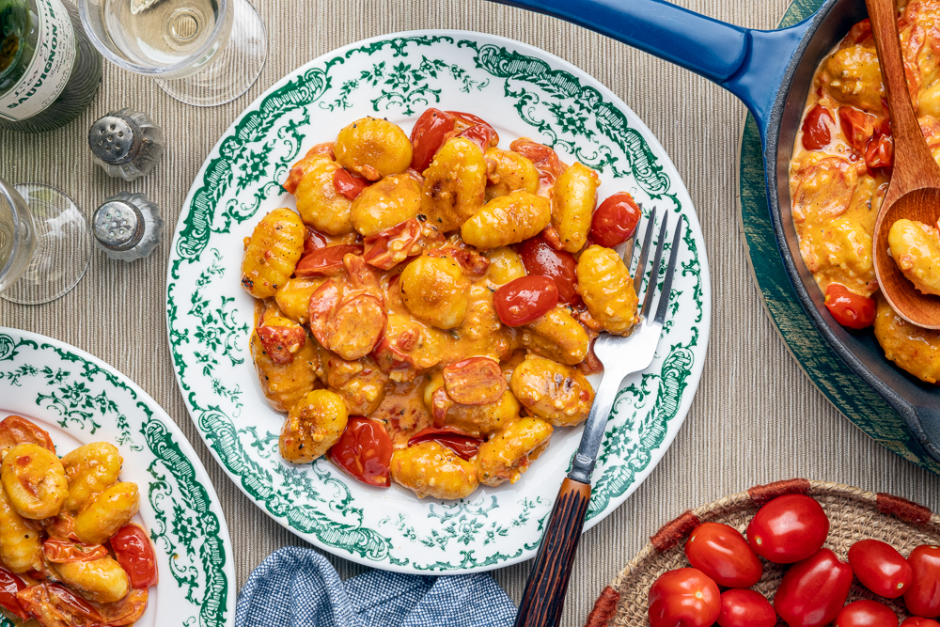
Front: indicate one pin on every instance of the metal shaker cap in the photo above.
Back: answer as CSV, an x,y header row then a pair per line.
x,y
115,139
118,225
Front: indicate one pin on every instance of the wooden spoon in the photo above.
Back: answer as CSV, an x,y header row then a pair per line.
x,y
914,191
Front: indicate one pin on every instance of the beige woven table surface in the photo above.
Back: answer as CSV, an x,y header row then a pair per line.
x,y
756,417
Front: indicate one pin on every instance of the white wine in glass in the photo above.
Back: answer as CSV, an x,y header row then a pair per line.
x,y
202,52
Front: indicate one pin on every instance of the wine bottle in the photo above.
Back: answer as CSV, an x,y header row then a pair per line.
x,y
49,71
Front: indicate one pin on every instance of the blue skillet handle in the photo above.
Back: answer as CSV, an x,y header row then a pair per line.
x,y
749,63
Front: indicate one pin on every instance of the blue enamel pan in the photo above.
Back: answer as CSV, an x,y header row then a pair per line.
x,y
771,72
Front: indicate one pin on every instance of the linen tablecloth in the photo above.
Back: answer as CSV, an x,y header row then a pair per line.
x,y
756,417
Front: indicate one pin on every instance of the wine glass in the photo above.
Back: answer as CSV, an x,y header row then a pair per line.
x,y
45,243
201,52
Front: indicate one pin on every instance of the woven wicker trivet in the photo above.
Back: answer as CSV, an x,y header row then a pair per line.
x,y
854,514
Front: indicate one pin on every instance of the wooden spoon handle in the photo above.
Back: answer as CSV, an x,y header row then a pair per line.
x,y
914,167
544,595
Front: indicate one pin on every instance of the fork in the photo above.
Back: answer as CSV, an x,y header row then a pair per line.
x,y
544,595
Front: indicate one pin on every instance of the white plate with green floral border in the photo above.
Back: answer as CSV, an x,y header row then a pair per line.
x,y
79,399
522,91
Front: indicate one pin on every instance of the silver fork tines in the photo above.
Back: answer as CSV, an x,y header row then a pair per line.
x,y
644,252
654,271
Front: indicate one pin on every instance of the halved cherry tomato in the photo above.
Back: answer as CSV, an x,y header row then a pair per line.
x,y
788,529
524,299
281,343
128,610
813,591
816,128
387,249
848,308
923,597
879,151
917,621
325,261
615,220
684,597
60,551
427,136
16,430
723,554
857,126
135,554
860,33
10,584
866,613
314,239
348,185
469,119
880,568
540,259
474,381
364,452
54,604
746,608
480,134
463,444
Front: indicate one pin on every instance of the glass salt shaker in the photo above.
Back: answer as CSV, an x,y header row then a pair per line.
x,y
127,226
126,143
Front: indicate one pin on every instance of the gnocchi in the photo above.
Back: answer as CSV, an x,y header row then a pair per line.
x,y
398,339
272,253
63,533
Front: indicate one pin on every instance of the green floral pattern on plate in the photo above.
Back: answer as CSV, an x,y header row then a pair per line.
x,y
523,92
73,394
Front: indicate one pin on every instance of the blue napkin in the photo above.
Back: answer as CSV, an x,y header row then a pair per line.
x,y
297,587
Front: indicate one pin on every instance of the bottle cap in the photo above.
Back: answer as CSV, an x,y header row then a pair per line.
x,y
118,225
115,139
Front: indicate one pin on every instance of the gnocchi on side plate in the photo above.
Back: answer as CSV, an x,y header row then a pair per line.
x,y
70,553
427,318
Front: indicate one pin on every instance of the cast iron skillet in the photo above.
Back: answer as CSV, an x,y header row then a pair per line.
x,y
771,72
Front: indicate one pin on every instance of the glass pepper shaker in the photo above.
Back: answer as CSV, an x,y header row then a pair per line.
x,y
127,226
126,143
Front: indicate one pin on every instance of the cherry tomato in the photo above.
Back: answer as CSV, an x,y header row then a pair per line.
x,y
544,159
814,590
348,185
880,568
816,128
54,604
923,597
723,554
427,136
524,299
281,343
364,452
879,151
463,444
387,249
540,259
788,529
858,126
685,597
917,621
480,134
746,608
866,614
615,220
468,119
314,239
16,430
325,261
60,551
135,554
848,308
860,33
10,584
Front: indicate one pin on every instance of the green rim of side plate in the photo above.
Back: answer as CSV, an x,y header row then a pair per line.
x,y
841,386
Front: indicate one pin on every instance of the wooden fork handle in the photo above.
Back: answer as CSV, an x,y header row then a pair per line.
x,y
544,595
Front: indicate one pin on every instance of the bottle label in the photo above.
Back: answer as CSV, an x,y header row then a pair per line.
x,y
49,69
